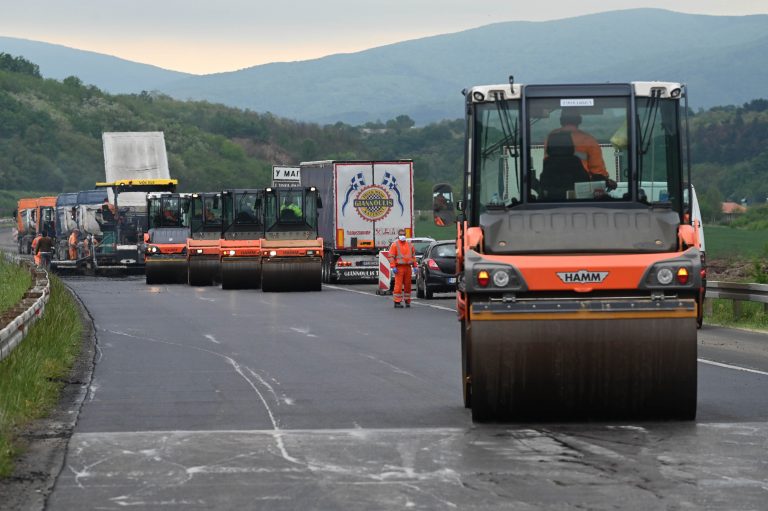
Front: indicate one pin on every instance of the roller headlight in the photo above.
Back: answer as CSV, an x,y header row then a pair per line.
x,y
231,252
665,276
500,278
199,251
272,253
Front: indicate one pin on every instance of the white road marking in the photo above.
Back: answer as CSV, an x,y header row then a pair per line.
x,y
211,338
277,433
729,366
391,366
414,302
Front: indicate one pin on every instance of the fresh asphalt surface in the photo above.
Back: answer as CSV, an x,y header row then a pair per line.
x,y
209,399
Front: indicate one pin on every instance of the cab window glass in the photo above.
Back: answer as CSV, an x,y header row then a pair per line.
x,y
578,149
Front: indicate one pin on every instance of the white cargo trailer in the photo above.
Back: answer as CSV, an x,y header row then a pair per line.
x,y
365,203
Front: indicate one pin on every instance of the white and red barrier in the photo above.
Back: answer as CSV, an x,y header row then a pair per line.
x,y
385,275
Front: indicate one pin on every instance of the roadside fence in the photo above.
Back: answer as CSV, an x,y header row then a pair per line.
x,y
15,322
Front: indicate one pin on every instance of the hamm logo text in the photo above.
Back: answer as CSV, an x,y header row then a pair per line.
x,y
582,276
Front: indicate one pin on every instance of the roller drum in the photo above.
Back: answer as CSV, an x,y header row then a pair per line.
x,y
167,271
241,273
583,369
292,275
203,272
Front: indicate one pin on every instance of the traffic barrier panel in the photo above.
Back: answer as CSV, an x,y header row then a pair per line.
x,y
385,275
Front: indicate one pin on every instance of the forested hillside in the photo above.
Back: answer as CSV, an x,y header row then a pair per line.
x,y
729,147
50,141
50,137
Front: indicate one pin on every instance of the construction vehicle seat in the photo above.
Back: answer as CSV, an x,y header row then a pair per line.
x,y
288,215
562,168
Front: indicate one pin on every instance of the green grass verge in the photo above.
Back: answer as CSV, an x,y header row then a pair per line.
x,y
15,282
30,378
752,315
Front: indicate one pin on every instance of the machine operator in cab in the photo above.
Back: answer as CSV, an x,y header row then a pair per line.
x,y
585,147
402,257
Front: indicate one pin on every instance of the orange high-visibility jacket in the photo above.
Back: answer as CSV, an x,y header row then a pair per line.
x,y
73,239
402,253
587,149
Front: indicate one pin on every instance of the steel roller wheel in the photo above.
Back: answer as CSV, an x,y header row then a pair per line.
x,y
292,275
583,369
166,272
240,273
202,272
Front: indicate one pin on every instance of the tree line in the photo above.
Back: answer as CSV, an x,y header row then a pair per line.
x,y
50,140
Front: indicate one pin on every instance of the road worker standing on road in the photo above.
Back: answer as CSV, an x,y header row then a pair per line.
x,y
73,244
402,257
35,241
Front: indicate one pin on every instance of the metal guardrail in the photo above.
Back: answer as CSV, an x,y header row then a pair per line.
x,y
738,291
26,312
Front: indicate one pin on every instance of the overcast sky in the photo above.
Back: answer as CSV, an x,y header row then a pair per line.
x,y
225,35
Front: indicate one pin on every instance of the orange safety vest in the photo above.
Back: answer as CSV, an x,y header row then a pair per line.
x,y
402,253
587,149
73,239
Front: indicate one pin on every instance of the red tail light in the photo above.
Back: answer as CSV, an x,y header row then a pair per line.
x,y
483,278
432,265
682,276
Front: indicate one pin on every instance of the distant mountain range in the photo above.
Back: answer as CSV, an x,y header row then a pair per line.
x,y
111,74
722,59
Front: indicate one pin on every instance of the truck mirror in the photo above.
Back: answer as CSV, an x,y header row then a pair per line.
x,y
460,205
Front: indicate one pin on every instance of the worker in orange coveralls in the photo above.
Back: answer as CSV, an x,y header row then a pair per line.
x,y
402,257
35,241
73,244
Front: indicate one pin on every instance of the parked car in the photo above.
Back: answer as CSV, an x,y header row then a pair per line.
x,y
437,269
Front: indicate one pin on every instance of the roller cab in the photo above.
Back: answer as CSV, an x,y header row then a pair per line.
x,y
291,249
204,243
165,253
579,268
242,231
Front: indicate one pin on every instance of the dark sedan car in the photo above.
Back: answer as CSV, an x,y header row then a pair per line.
x,y
437,269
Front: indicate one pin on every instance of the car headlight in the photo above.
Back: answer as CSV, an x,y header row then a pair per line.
x,y
231,252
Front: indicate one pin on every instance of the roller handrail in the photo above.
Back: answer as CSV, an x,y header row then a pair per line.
x,y
30,308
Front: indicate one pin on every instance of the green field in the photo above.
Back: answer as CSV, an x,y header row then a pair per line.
x,y
726,242
425,227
